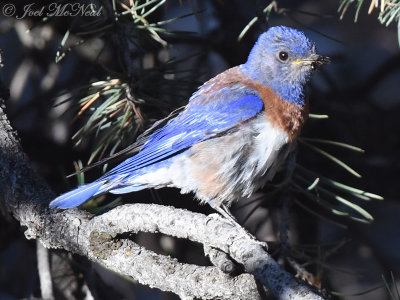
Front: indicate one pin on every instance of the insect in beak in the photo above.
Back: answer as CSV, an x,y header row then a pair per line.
x,y
319,62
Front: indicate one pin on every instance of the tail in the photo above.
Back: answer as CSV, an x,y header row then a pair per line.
x,y
77,196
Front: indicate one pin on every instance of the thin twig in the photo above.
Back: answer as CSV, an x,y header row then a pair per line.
x,y
46,285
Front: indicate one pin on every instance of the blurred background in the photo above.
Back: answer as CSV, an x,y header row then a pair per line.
x,y
82,87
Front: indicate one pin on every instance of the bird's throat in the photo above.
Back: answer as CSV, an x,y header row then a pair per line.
x,y
293,93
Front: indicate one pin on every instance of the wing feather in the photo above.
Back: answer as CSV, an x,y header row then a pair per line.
x,y
193,125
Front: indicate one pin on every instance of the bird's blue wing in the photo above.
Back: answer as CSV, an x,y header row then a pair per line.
x,y
198,122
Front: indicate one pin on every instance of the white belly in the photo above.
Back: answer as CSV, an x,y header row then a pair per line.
x,y
226,168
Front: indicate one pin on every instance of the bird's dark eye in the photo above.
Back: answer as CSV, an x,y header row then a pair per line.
x,y
283,55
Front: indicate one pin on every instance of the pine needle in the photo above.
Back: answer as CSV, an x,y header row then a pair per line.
x,y
340,186
332,158
334,143
367,217
317,116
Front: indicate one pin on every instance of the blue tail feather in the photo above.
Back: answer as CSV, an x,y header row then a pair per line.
x,y
128,189
76,196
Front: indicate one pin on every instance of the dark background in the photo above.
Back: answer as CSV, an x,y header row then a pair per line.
x,y
359,91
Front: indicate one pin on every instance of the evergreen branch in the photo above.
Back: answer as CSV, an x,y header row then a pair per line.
x,y
331,157
367,218
267,11
348,203
339,186
389,11
322,202
334,143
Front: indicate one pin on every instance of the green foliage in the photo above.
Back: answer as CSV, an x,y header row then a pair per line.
x,y
389,11
114,116
273,6
394,285
331,195
112,108
131,20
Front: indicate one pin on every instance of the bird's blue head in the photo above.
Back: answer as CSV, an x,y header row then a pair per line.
x,y
283,59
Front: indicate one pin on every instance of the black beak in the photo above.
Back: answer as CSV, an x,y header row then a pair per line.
x,y
320,61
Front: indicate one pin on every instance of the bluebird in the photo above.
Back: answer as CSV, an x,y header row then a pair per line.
x,y
231,137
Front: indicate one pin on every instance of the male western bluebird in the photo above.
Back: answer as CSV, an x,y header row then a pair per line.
x,y
231,137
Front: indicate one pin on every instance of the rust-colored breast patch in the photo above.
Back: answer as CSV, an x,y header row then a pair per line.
x,y
283,114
